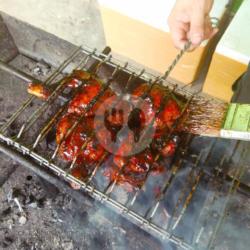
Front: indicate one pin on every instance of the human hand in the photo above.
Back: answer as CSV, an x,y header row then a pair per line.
x,y
189,20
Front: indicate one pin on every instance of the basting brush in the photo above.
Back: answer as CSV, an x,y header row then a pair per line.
x,y
215,118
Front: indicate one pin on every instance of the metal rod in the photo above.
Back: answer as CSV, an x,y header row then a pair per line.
x,y
238,174
176,60
205,210
175,168
188,200
189,178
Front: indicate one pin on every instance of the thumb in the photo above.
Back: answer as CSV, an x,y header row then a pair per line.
x,y
197,27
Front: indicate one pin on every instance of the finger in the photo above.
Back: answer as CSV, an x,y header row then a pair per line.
x,y
197,28
179,39
209,33
179,34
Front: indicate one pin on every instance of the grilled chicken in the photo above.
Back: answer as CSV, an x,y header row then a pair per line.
x,y
76,78
166,147
171,111
77,139
38,90
79,172
72,81
83,98
78,142
131,171
79,104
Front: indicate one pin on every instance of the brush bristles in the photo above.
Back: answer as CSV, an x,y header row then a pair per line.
x,y
204,117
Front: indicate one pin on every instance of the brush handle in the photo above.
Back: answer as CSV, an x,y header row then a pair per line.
x,y
237,122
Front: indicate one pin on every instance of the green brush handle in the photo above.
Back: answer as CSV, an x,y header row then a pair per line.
x,y
237,122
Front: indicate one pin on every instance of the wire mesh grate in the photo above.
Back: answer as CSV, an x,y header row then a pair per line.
x,y
178,201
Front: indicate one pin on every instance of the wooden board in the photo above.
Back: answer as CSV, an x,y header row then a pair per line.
x,y
221,75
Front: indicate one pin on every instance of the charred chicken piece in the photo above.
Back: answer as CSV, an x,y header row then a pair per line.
x,y
79,172
127,169
154,100
76,78
156,94
171,110
64,125
79,142
38,90
165,148
81,75
128,180
71,142
170,113
100,105
81,101
168,150
164,121
92,153
139,163
79,104
131,171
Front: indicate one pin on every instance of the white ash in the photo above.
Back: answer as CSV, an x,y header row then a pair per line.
x,y
60,222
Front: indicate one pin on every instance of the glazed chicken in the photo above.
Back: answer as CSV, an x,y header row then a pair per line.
x,y
78,140
132,171
38,90
170,110
76,78
89,91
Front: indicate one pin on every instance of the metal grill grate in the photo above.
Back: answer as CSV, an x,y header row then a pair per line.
x,y
187,193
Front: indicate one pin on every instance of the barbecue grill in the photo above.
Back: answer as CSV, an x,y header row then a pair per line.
x,y
189,205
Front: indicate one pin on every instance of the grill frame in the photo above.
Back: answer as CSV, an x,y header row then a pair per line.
x,y
145,223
